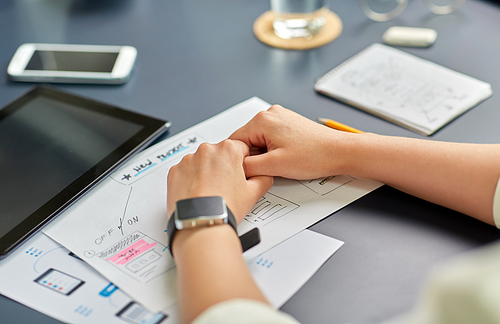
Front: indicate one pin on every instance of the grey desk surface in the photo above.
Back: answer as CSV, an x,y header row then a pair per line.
x,y
198,58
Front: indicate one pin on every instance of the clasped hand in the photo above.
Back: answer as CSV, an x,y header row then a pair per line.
x,y
293,147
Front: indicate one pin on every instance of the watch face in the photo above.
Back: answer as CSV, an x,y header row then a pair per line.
x,y
200,207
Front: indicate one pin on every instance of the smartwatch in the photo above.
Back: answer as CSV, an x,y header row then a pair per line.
x,y
203,212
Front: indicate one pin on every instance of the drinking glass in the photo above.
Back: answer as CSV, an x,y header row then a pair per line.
x,y
298,18
384,10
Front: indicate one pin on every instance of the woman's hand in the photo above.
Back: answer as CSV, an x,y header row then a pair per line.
x,y
217,170
210,266
294,146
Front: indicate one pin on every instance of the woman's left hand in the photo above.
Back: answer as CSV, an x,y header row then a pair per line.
x,y
217,170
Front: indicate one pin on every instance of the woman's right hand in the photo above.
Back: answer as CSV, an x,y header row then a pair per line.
x,y
294,146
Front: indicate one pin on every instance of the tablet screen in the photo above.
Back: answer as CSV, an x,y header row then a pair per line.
x,y
52,148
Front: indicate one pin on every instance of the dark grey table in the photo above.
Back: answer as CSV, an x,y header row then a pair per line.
x,y
198,58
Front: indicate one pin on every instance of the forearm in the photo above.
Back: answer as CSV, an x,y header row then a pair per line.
x,y
462,177
211,269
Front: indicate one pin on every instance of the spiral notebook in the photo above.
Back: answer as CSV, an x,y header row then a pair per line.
x,y
402,88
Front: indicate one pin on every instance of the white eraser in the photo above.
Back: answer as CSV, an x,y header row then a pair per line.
x,y
409,36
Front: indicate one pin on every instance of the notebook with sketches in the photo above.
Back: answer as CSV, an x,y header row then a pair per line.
x,y
404,89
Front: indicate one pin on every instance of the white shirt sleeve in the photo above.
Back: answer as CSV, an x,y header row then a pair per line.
x,y
496,205
243,311
465,290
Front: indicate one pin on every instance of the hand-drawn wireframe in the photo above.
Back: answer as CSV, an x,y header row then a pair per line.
x,y
269,208
139,256
136,314
402,88
59,281
392,84
324,186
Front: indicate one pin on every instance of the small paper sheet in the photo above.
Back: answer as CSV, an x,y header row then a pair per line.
x,y
45,276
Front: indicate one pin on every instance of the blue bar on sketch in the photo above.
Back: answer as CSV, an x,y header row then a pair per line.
x,y
106,292
149,167
182,149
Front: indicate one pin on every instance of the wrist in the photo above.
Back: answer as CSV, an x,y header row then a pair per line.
x,y
206,241
198,212
353,153
339,151
367,156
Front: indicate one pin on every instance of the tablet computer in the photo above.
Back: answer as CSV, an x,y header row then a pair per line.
x,y
56,146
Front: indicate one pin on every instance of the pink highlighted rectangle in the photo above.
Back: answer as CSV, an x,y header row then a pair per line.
x,y
135,253
124,251
131,252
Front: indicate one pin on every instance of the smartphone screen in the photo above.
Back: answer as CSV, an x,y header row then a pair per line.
x,y
72,61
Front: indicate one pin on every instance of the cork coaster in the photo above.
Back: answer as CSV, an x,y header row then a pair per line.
x,y
264,31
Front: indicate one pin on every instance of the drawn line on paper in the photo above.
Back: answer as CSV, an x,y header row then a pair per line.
x,y
34,265
111,302
125,211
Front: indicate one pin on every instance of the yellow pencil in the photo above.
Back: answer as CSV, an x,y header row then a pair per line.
x,y
339,126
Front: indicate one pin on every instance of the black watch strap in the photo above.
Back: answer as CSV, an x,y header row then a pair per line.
x,y
248,240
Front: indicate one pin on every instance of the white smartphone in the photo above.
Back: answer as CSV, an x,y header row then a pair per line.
x,y
72,63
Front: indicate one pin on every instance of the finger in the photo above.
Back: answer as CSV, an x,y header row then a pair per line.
x,y
266,164
243,148
252,134
257,187
257,150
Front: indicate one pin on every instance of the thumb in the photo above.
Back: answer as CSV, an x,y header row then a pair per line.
x,y
257,187
265,164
